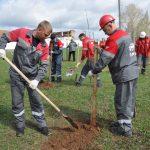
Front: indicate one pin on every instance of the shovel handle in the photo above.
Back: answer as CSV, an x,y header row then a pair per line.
x,y
26,79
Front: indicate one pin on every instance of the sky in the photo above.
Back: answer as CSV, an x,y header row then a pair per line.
x,y
63,14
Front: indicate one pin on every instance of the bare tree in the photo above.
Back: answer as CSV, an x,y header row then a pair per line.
x,y
131,16
144,24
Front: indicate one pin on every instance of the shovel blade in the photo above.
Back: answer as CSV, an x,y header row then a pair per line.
x,y
71,121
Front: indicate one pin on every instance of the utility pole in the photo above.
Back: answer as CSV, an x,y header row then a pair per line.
x,y
93,35
119,12
87,21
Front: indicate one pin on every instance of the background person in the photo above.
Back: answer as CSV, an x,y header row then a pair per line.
x,y
72,49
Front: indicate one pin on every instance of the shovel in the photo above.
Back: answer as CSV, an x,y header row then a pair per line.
x,y
44,96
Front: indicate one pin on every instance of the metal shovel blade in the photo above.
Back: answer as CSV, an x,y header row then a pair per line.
x,y
71,121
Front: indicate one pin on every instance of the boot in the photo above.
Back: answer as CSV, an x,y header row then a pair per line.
x,y
123,129
52,79
79,81
45,131
42,81
99,83
143,71
19,132
59,79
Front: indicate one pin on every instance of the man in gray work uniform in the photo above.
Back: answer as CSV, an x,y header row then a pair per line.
x,y
119,54
31,57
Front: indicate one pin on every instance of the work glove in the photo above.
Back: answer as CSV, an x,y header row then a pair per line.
x,y
33,84
90,73
77,65
2,53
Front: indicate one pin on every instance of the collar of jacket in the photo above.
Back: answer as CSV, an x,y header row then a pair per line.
x,y
30,33
114,31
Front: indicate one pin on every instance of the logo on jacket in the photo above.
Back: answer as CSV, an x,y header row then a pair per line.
x,y
132,50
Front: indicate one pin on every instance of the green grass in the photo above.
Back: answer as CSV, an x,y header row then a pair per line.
x,y
75,101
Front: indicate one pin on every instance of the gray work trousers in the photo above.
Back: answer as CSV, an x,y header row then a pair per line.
x,y
142,61
89,65
56,65
17,90
125,100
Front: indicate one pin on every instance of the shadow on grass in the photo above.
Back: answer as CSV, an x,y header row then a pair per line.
x,y
84,117
6,117
68,81
7,81
72,82
32,125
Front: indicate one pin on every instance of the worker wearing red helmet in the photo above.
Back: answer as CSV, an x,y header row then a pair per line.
x,y
120,56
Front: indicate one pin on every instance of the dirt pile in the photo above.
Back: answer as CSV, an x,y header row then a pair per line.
x,y
71,139
46,85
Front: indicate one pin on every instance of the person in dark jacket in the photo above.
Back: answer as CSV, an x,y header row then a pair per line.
x,y
56,47
120,56
72,49
31,57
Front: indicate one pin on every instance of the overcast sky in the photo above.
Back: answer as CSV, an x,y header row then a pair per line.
x,y
63,14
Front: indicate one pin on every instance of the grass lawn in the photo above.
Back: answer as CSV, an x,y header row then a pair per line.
x,y
75,101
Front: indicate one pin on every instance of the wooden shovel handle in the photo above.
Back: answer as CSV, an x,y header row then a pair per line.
x,y
26,79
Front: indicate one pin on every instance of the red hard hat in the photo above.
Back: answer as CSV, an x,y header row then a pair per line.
x,y
105,19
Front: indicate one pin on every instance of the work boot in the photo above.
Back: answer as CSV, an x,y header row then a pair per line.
x,y
59,79
143,71
19,132
42,81
79,81
45,131
99,83
114,124
123,129
52,79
